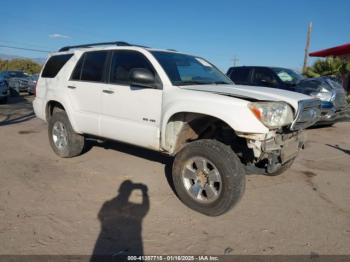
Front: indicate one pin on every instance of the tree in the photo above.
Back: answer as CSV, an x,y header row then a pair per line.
x,y
328,67
25,65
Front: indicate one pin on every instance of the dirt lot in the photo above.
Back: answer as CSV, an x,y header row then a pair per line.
x,y
50,205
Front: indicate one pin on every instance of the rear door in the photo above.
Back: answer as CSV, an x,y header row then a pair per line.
x,y
84,90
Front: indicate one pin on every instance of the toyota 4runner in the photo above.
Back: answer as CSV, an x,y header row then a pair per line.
x,y
178,104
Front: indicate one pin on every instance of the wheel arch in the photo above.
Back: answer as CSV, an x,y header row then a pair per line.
x,y
52,105
184,127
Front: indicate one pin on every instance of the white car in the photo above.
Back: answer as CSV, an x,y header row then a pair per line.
x,y
177,104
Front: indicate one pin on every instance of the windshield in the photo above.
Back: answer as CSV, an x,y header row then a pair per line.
x,y
288,76
189,70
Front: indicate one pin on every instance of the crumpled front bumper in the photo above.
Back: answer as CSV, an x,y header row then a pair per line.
x,y
273,150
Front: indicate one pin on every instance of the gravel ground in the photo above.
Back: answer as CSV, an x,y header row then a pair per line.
x,y
50,205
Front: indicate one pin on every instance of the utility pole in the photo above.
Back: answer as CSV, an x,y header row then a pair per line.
x,y
235,61
306,55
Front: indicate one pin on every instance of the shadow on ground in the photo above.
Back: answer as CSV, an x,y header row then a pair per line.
x,y
16,111
346,151
136,151
121,223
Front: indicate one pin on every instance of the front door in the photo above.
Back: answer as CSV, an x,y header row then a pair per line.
x,y
130,113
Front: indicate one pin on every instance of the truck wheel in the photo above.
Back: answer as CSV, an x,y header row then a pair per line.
x,y
63,140
208,177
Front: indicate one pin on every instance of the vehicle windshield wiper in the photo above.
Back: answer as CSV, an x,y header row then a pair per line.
x,y
194,82
221,83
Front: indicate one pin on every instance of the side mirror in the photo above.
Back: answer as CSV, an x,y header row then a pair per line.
x,y
142,77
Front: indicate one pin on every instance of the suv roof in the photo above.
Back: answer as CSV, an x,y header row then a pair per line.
x,y
108,45
117,43
233,67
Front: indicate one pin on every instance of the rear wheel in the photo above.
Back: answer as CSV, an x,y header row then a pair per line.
x,y
63,140
208,177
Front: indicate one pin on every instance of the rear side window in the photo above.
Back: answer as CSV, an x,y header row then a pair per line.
x,y
240,75
54,65
94,66
77,70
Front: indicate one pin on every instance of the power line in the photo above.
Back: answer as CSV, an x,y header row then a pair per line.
x,y
27,49
26,44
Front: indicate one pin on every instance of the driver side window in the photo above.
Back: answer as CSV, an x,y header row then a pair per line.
x,y
264,77
122,64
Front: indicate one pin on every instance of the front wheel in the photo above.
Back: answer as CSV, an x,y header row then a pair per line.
x,y
63,140
208,177
3,100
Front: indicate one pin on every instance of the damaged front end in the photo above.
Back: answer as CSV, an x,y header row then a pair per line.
x,y
273,150
278,147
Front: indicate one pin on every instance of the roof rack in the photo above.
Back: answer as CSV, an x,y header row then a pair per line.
x,y
118,43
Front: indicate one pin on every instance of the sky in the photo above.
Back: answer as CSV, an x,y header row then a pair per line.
x,y
268,32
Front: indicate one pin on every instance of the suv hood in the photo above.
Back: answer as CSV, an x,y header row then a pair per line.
x,y
252,92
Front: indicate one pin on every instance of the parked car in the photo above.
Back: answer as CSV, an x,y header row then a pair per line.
x,y
334,106
32,80
13,74
4,90
178,104
17,81
331,93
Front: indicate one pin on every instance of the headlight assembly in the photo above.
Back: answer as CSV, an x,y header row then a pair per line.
x,y
272,114
324,94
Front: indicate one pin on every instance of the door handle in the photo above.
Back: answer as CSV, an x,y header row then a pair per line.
x,y
71,87
108,91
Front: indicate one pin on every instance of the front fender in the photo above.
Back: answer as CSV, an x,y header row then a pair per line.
x,y
233,111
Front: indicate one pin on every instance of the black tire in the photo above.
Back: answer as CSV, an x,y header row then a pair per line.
x,y
327,124
283,168
230,170
75,142
4,100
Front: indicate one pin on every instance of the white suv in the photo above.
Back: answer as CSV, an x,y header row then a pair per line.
x,y
178,104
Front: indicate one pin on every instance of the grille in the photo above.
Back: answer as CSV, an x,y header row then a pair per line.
x,y
308,114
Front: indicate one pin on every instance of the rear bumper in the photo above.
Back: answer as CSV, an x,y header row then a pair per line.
x,y
39,108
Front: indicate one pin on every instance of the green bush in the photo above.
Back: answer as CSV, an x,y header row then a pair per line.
x,y
348,99
25,65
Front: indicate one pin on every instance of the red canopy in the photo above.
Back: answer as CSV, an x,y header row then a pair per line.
x,y
334,51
